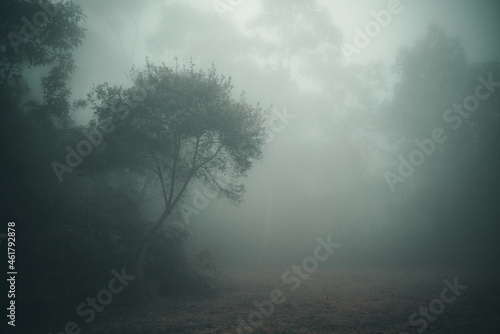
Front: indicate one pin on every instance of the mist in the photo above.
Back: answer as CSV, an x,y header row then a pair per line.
x,y
329,166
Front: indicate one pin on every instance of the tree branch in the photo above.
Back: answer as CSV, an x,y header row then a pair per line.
x,y
162,183
174,170
208,159
191,174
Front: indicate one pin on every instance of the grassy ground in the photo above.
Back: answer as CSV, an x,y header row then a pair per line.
x,y
328,301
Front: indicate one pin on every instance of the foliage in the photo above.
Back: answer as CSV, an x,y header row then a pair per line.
x,y
26,42
57,38
187,127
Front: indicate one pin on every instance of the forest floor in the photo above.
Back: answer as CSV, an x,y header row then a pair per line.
x,y
328,301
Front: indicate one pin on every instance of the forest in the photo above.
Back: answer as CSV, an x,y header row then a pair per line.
x,y
250,166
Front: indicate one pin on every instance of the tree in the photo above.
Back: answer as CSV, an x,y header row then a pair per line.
x,y
36,34
458,175
187,126
433,75
293,30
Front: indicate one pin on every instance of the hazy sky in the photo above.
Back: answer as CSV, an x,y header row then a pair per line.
x,y
476,22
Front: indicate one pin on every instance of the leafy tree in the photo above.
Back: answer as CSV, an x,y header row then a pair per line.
x,y
293,30
187,126
433,75
36,33
26,42
459,175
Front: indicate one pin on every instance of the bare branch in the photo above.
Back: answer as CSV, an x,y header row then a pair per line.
x,y
160,176
177,148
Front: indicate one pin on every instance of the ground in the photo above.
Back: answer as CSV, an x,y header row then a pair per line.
x,y
328,301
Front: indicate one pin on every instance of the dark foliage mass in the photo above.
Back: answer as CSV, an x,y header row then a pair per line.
x,y
93,220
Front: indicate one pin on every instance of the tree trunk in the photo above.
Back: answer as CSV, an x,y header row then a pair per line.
x,y
144,246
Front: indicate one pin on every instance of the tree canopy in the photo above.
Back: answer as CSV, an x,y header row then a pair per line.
x,y
187,126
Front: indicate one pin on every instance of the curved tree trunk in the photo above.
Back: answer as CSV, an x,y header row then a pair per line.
x,y
139,267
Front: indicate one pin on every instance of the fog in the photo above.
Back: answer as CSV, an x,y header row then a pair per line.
x,y
382,120
323,172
